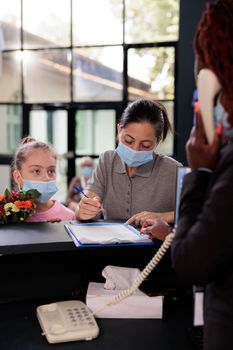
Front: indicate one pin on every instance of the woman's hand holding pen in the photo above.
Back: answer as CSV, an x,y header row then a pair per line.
x,y
88,208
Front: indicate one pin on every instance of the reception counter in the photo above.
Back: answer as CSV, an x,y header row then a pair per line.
x,y
40,264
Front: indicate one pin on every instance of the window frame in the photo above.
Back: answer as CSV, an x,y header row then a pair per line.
x,y
73,106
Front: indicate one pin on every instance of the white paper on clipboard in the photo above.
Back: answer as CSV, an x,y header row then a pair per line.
x,y
106,233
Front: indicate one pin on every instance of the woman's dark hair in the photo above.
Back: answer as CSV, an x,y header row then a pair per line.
x,y
213,46
153,112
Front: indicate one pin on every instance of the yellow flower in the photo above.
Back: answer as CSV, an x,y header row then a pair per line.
x,y
8,207
15,209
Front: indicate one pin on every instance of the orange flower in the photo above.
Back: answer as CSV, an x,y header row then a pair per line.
x,y
2,198
24,204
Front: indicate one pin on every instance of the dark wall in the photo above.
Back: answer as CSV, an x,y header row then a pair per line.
x,y
190,13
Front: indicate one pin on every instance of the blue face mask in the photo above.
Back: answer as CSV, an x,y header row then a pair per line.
x,y
87,171
133,158
46,188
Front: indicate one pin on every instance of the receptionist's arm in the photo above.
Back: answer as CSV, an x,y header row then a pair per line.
x,y
156,229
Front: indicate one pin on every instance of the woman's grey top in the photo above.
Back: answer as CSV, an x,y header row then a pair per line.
x,y
152,188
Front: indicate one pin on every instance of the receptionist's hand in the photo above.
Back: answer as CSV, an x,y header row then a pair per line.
x,y
140,218
156,229
88,208
200,153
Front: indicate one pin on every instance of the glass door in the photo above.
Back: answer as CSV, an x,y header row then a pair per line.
x,y
95,133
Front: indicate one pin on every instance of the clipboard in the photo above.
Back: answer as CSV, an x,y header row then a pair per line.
x,y
94,234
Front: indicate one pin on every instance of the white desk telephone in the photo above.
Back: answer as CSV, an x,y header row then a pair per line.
x,y
73,320
67,321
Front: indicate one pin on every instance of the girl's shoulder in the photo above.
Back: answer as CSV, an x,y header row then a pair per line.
x,y
57,211
61,211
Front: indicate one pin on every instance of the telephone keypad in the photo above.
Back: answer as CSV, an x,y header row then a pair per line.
x,y
80,317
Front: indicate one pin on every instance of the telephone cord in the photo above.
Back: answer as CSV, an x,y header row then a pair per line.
x,y
146,271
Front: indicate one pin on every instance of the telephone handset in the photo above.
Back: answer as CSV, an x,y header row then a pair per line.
x,y
67,321
146,271
208,87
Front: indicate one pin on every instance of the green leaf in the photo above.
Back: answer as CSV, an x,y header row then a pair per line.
x,y
33,194
7,194
22,196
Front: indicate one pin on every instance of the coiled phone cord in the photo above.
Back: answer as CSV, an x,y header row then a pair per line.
x,y
146,271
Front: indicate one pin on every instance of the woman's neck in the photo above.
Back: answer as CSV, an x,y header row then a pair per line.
x,y
130,170
44,206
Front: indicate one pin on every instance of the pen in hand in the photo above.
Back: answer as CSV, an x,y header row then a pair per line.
x,y
79,190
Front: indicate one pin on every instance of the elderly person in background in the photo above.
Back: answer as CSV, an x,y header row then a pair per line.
x,y
86,168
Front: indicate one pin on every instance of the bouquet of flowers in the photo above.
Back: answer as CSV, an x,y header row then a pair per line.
x,y
15,207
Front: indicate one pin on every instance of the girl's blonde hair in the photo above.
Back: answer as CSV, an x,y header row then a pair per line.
x,y
26,146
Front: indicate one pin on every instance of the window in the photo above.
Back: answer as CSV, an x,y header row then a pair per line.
x,y
11,127
96,76
10,25
47,76
87,60
151,21
106,19
90,126
46,23
10,77
5,171
46,70
151,73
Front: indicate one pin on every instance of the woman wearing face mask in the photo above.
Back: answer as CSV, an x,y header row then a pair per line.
x,y
35,168
134,182
73,197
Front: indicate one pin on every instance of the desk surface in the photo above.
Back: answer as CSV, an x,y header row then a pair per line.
x,y
58,268
20,330
34,237
39,238
38,258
